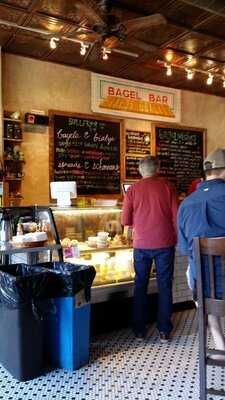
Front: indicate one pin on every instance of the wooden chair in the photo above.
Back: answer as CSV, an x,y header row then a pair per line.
x,y
209,305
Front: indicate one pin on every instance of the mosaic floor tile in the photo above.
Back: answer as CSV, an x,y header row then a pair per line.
x,y
122,368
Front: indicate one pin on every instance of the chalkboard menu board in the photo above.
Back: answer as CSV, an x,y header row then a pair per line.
x,y
180,150
131,167
86,150
138,142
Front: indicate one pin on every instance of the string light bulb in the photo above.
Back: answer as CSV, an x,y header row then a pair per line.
x,y
209,80
54,42
105,53
168,70
190,74
83,49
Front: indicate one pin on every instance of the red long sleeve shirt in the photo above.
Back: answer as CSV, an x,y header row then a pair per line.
x,y
150,207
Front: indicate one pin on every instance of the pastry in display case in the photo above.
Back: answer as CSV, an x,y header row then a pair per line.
x,y
95,236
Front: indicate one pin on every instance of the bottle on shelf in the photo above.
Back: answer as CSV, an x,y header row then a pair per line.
x,y
13,157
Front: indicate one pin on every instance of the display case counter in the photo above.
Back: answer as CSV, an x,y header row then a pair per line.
x,y
77,229
95,236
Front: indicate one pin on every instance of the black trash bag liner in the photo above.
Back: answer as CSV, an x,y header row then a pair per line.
x,y
21,286
66,279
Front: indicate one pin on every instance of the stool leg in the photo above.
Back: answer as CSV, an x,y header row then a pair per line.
x,y
202,355
215,328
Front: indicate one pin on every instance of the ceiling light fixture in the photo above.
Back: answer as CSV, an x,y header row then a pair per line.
x,y
209,80
190,74
192,71
169,55
169,71
105,53
54,42
83,48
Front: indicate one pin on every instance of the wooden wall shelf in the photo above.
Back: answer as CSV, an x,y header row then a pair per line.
x,y
12,140
12,120
13,179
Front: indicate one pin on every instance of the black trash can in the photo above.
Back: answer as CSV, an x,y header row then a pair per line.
x,y
21,326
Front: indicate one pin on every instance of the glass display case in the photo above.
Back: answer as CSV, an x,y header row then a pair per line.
x,y
28,235
95,236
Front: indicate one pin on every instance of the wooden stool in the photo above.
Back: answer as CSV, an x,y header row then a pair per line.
x,y
209,247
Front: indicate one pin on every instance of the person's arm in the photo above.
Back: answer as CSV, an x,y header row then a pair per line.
x,y
182,239
174,208
127,210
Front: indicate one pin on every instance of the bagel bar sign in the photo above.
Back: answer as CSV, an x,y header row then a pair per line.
x,y
131,99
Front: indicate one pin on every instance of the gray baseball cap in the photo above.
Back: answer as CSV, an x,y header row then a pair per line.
x,y
214,160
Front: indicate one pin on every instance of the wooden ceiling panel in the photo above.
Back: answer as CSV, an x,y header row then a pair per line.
x,y
66,53
66,10
135,71
160,76
47,23
114,63
8,14
12,15
5,34
27,44
188,61
184,14
199,84
217,53
214,26
150,72
192,38
194,43
18,3
159,36
143,6
171,56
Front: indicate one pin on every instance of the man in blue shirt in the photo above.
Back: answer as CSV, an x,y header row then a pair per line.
x,y
202,214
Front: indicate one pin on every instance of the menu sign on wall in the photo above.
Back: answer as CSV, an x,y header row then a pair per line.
x,y
131,168
181,151
87,150
138,142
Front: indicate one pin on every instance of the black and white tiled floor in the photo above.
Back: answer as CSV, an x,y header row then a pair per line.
x,y
122,368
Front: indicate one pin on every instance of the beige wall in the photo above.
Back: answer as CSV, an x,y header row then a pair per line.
x,y
31,84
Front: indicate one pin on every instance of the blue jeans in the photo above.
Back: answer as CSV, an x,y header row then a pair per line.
x,y
164,262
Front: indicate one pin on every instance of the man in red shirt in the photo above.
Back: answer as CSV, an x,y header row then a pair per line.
x,y
150,207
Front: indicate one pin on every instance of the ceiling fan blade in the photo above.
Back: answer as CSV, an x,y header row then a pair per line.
x,y
90,10
142,23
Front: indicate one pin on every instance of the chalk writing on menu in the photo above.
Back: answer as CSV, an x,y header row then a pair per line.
x,y
181,154
131,167
138,142
87,151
